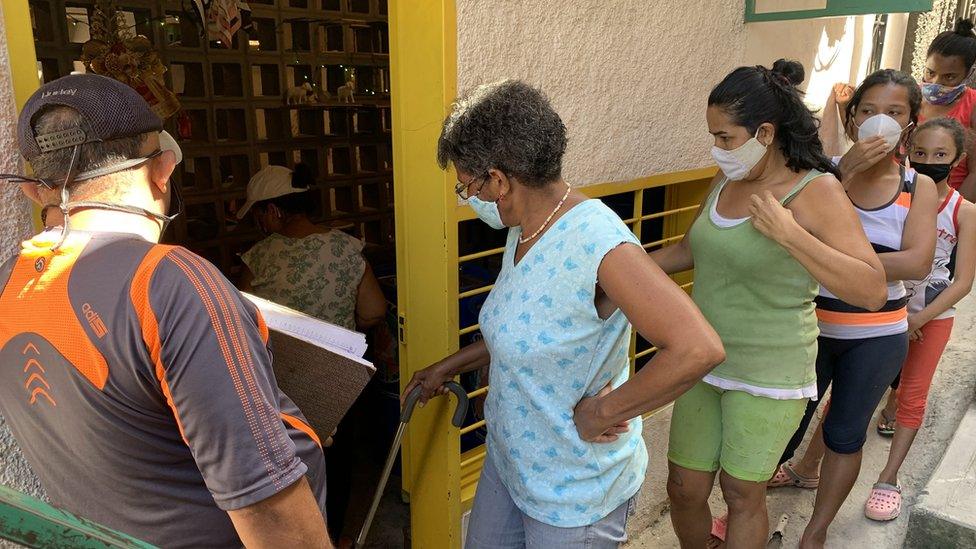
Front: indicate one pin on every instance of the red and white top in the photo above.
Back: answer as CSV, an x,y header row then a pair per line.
x,y
923,292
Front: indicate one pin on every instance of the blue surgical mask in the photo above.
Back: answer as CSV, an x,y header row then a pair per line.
x,y
487,212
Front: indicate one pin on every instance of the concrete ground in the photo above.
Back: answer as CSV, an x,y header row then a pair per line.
x,y
952,391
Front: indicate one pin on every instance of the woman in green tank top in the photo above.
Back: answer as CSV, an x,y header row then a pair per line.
x,y
775,224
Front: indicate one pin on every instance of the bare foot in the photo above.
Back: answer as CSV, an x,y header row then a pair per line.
x,y
811,541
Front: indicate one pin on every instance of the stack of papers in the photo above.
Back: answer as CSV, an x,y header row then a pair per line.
x,y
310,329
320,366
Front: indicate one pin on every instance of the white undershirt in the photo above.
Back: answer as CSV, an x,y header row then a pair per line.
x,y
724,222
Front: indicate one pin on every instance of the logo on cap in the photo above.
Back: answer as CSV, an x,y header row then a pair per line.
x,y
63,91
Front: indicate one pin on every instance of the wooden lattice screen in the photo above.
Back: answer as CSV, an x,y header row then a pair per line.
x,y
239,122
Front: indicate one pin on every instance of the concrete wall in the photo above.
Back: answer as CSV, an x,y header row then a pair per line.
x,y
631,79
14,226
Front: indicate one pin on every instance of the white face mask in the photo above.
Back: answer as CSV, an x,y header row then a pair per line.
x,y
487,212
883,125
737,163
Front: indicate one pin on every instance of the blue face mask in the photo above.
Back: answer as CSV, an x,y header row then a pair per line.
x,y
487,212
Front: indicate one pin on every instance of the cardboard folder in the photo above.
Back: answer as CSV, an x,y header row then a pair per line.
x,y
317,364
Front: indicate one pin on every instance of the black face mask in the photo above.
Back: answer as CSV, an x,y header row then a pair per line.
x,y
937,172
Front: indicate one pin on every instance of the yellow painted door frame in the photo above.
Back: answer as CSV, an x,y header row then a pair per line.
x,y
20,48
423,66
22,58
424,77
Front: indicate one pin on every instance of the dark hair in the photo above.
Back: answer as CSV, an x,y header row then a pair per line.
x,y
753,96
294,203
960,41
509,126
951,125
884,77
94,155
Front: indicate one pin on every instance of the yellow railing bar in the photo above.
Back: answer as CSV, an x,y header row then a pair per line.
x,y
479,255
476,291
644,353
664,241
479,456
478,392
473,427
670,212
465,213
686,286
469,329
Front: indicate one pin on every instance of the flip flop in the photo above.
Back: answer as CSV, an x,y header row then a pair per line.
x,y
720,526
884,503
786,476
886,425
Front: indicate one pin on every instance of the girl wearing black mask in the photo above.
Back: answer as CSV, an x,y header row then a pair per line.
x,y
937,148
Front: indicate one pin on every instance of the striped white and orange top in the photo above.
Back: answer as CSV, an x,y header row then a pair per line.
x,y
884,227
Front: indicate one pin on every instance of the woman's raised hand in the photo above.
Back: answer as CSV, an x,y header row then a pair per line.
x,y
771,218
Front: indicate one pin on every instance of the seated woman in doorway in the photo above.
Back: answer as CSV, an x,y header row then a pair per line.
x,y
775,224
308,267
320,272
565,453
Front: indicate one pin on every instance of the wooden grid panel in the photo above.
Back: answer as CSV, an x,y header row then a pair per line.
x,y
238,119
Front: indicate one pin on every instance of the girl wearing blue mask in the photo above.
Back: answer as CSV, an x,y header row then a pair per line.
x,y
861,351
775,225
945,89
565,456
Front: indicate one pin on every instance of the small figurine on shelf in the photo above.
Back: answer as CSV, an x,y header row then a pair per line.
x,y
299,95
346,92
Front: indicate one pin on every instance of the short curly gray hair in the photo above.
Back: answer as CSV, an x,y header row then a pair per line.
x,y
509,126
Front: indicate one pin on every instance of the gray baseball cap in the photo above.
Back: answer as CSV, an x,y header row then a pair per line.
x,y
109,110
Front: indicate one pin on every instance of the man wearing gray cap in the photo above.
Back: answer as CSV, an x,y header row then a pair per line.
x,y
136,379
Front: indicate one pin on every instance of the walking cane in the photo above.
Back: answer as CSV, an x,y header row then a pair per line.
x,y
459,414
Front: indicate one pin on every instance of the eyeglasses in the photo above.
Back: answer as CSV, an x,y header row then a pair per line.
x,y
462,187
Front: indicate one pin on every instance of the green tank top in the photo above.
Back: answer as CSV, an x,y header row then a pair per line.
x,y
758,298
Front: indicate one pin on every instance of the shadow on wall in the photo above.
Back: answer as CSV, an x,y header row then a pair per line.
x,y
831,50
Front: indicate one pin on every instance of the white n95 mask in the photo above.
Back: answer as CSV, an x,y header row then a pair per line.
x,y
883,125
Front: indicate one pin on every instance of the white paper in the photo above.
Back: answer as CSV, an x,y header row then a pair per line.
x,y
307,328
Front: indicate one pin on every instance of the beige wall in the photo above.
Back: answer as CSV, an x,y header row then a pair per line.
x,y
631,79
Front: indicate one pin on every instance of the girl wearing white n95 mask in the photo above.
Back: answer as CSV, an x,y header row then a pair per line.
x,y
860,351
776,225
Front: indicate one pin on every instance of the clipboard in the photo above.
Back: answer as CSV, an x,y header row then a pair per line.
x,y
323,380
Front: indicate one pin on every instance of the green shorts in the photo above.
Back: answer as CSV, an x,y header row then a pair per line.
x,y
742,433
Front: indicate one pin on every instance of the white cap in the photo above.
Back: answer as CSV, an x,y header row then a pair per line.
x,y
270,182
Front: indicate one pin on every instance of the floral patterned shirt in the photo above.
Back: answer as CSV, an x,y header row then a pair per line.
x,y
318,275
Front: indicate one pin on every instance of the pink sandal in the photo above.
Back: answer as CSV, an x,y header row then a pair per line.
x,y
884,503
786,476
720,526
